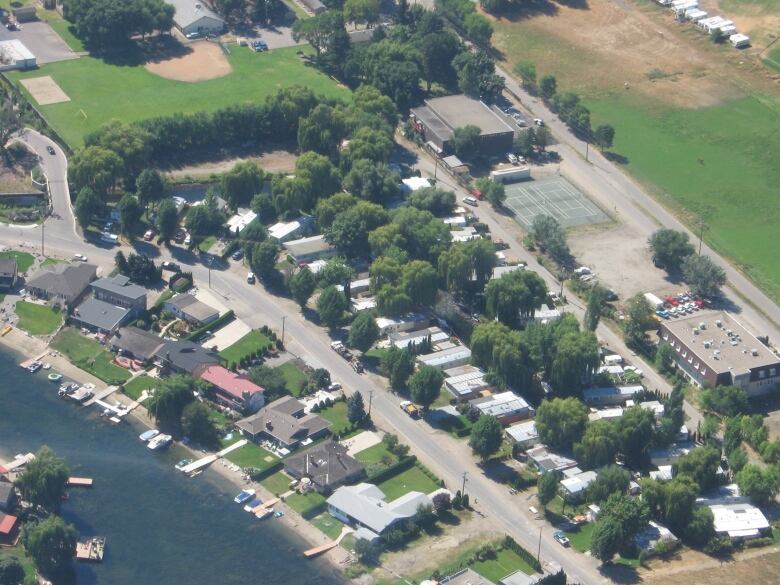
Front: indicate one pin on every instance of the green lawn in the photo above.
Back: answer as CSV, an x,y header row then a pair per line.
x,y
23,260
37,319
294,378
244,347
299,12
17,552
49,262
580,539
506,562
100,91
458,426
90,356
250,455
337,416
773,58
278,483
717,163
206,244
135,387
413,479
375,454
328,525
63,28
306,503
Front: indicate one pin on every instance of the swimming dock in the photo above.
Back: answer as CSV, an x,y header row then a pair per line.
x,y
318,550
198,465
80,481
91,549
101,396
27,363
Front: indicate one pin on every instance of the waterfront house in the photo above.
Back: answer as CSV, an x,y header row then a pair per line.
x,y
234,390
284,423
327,465
100,316
190,309
507,407
7,496
119,291
8,273
364,506
9,528
185,357
135,343
62,283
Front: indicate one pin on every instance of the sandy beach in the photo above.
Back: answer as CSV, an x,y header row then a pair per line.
x,y
26,347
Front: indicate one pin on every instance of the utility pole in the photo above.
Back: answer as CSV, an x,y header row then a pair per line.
x,y
463,486
701,234
370,400
436,164
283,318
43,234
539,549
587,150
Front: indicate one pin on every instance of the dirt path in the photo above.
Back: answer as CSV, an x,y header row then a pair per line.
x,y
275,161
756,566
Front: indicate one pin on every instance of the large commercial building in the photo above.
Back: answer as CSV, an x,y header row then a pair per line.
x,y
437,120
713,349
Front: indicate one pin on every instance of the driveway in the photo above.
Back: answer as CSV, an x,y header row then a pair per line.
x,y
40,38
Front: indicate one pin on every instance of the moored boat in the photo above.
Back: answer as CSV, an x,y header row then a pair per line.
x,y
148,435
244,495
182,464
160,442
34,367
250,507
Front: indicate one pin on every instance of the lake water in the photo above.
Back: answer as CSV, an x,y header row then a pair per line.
x,y
161,527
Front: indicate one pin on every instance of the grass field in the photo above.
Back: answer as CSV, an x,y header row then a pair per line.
x,y
305,504
250,455
62,27
49,262
89,355
580,539
277,483
294,378
506,562
717,163
135,387
337,416
773,58
23,260
413,479
328,525
37,319
246,346
376,454
104,91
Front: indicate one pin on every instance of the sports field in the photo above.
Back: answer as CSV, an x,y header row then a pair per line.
x,y
553,196
99,91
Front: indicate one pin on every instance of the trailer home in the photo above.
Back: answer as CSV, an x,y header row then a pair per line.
x,y
739,40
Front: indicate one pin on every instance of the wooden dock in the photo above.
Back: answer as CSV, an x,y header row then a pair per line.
x,y
18,462
80,481
101,395
198,465
27,363
318,550
91,549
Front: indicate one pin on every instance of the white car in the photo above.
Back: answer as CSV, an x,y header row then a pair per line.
x,y
187,240
250,278
80,257
470,201
538,121
511,157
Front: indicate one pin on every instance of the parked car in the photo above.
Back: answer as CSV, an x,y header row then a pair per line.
x,y
511,157
148,235
170,266
470,201
561,538
250,277
50,149
193,35
538,121
80,257
187,240
237,255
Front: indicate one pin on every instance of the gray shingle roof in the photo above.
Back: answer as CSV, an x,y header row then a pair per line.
x,y
7,267
193,307
140,343
100,314
277,421
190,11
121,286
65,280
326,464
185,355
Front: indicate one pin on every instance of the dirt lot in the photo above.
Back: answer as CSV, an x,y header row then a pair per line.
x,y
275,161
759,567
637,46
194,62
45,90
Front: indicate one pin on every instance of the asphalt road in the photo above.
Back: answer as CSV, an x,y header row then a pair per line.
x,y
445,456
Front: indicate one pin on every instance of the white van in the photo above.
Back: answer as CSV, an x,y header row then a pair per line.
x,y
470,201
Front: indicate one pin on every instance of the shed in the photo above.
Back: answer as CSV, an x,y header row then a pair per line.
x,y
193,16
25,13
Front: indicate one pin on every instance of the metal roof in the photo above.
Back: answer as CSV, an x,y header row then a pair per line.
x,y
119,285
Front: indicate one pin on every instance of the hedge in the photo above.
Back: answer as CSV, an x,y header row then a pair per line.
x,y
511,544
215,324
258,475
392,470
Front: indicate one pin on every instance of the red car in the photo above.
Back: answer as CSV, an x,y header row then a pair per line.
x,y
477,193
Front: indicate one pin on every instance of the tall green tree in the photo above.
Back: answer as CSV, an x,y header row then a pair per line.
x,y
527,72
550,236
514,297
547,488
372,181
44,480
349,231
670,247
494,192
149,187
302,286
130,212
597,299
262,258
548,86
241,183
397,364
197,424
465,142
169,400
598,445
356,409
610,480
639,318
425,385
51,544
704,276
486,437
364,332
561,422
11,571
167,219
95,167
331,305
604,135
88,206
576,359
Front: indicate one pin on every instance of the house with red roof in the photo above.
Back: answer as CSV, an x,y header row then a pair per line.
x,y
9,526
234,390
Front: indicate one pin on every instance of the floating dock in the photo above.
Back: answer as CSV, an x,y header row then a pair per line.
x,y
101,395
80,481
27,363
318,550
91,549
198,465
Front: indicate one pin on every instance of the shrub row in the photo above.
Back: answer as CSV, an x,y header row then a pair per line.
x,y
512,545
216,324
392,470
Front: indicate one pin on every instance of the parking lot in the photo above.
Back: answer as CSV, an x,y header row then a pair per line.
x,y
40,38
553,196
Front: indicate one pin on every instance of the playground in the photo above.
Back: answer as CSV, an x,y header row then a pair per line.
x,y
553,196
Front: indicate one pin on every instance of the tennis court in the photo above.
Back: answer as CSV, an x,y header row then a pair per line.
x,y
553,196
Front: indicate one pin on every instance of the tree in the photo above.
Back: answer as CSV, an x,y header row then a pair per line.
x,y
664,358
598,445
527,72
169,400
639,318
438,201
437,51
328,209
361,11
576,359
476,72
320,31
550,236
130,212
88,205
334,272
514,297
262,258
548,85
364,332
197,424
621,518
372,181
44,480
51,544
302,285
103,23
319,174
167,219
670,248
597,298
635,429
331,305
270,379
478,28
542,138
604,135
700,529
11,571
397,364
419,281
425,385
465,142
356,410
441,502
149,187
701,465
321,131
394,69
366,551
760,485
561,421
703,275
9,123
139,268
95,167
493,191
349,231
607,539
486,437
610,480
468,265
204,221
725,400
241,183
547,487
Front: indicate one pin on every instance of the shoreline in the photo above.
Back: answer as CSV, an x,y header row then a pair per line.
x,y
24,346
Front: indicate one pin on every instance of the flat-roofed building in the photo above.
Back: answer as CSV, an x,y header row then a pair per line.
x,y
305,250
712,348
403,339
611,395
523,434
447,358
507,407
467,386
190,309
438,119
545,460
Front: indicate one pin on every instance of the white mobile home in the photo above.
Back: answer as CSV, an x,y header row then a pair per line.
x,y
695,14
705,23
739,40
728,30
654,301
